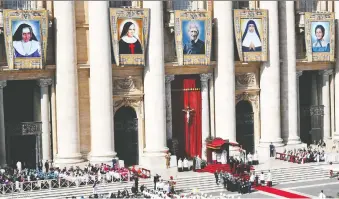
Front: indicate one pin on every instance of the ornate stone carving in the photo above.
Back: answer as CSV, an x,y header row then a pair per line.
x,y
205,77
45,82
245,79
135,102
169,78
246,96
124,84
3,84
326,72
31,128
299,73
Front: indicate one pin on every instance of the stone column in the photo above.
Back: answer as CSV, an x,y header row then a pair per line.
x,y
299,73
332,105
293,137
53,120
326,102
3,163
270,83
169,79
154,89
66,84
44,103
314,94
225,123
205,112
101,89
336,78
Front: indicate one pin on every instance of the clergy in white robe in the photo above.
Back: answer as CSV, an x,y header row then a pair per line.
x,y
18,166
180,165
224,157
262,178
214,157
249,158
198,163
269,179
186,165
219,158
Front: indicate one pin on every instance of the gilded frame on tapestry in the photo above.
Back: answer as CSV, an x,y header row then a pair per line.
x,y
319,36
251,32
129,32
29,48
196,25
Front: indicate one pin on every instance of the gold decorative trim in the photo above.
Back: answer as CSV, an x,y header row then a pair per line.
x,y
117,14
25,15
193,59
319,17
251,14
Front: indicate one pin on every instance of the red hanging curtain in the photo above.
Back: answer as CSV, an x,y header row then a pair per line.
x,y
192,100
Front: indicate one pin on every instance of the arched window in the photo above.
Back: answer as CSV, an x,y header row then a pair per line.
x,y
188,5
120,4
19,4
241,4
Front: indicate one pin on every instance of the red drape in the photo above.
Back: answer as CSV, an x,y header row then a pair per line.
x,y
192,99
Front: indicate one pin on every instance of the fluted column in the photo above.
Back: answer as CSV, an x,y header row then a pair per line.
x,y
293,137
299,73
205,112
225,123
270,82
67,84
3,162
336,78
44,103
154,89
101,93
169,79
326,102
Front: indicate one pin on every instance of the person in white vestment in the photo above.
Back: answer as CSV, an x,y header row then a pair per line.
x,y
262,178
249,158
219,158
224,157
186,165
180,165
19,166
198,163
322,195
214,157
269,179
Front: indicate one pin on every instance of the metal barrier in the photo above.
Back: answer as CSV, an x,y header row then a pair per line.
x,y
54,184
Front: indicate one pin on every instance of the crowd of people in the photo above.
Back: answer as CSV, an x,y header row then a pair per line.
x,y
302,156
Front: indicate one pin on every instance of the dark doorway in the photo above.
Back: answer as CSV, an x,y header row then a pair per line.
x,y
18,107
126,135
245,125
311,112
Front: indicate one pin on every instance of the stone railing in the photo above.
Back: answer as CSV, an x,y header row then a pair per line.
x,y
24,128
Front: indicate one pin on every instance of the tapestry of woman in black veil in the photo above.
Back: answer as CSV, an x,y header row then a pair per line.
x,y
186,116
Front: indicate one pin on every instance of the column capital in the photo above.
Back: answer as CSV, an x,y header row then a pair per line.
x,y
327,72
299,73
3,84
205,77
169,78
44,82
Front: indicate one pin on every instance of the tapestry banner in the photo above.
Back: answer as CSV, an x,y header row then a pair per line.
x,y
251,32
319,36
26,36
193,37
129,31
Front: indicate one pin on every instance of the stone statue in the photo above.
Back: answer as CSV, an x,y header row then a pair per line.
x,y
188,111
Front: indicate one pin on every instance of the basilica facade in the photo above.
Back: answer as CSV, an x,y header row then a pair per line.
x,y
250,72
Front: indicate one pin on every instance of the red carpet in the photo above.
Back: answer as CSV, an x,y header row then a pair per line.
x,y
279,192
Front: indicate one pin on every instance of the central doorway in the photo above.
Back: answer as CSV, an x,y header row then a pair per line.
x,y
126,135
18,107
245,125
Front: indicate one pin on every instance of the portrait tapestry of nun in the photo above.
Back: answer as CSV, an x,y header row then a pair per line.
x,y
129,42
320,45
25,43
251,41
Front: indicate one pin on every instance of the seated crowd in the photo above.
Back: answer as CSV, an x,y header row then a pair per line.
x,y
302,156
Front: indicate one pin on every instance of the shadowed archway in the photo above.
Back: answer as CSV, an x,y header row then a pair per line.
x,y
126,135
245,125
